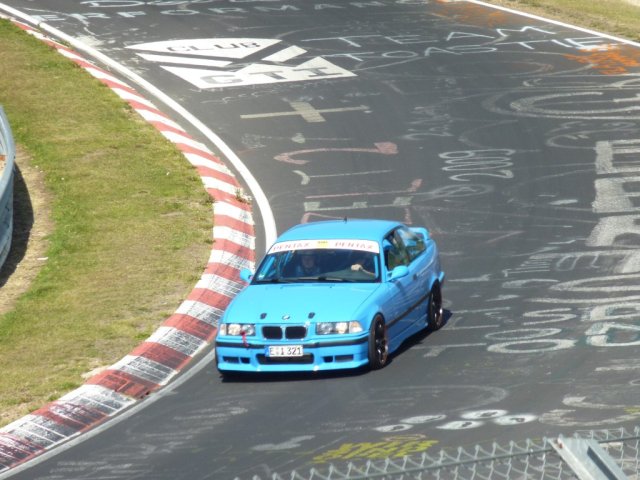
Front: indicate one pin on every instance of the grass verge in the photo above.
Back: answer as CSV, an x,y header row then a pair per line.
x,y
615,17
131,226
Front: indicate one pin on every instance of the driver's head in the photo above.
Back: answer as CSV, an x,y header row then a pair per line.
x,y
307,260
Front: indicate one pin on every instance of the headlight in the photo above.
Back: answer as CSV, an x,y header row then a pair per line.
x,y
237,329
328,328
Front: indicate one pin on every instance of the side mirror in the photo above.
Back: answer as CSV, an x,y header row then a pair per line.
x,y
399,272
246,275
422,232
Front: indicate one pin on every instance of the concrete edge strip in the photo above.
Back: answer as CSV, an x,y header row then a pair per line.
x,y
183,335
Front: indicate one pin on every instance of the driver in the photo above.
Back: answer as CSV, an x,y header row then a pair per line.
x,y
308,265
362,263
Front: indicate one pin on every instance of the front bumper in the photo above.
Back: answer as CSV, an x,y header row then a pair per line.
x,y
331,354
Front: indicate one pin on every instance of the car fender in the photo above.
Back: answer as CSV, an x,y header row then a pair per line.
x,y
435,272
436,278
368,310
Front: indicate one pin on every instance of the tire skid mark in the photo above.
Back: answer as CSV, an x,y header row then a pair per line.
x,y
183,335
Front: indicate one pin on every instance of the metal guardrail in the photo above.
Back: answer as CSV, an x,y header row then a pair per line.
x,y
7,163
593,455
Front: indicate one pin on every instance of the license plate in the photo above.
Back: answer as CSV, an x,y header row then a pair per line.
x,y
284,351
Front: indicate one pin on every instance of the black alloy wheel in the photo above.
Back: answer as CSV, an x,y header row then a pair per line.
x,y
435,312
378,344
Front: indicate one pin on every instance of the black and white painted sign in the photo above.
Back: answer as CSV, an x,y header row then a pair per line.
x,y
232,62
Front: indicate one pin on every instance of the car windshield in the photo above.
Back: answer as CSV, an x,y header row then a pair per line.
x,y
319,265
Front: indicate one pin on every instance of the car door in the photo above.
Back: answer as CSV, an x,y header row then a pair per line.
x,y
415,251
402,291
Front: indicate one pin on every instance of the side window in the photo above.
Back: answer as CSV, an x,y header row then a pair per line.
x,y
413,243
395,252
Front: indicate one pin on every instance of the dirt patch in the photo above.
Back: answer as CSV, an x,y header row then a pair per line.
x,y
32,224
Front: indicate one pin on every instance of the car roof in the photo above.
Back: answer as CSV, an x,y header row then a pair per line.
x,y
341,229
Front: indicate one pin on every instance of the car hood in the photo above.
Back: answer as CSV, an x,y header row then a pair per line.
x,y
299,303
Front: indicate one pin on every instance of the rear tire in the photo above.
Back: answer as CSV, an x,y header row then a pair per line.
x,y
378,344
435,312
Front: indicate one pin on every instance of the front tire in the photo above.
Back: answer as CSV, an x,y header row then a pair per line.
x,y
378,344
435,312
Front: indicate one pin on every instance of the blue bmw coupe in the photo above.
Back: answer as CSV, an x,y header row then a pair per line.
x,y
333,295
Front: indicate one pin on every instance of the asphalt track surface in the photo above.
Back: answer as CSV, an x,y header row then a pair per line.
x,y
514,139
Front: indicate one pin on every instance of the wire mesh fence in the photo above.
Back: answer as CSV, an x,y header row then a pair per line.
x,y
544,459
